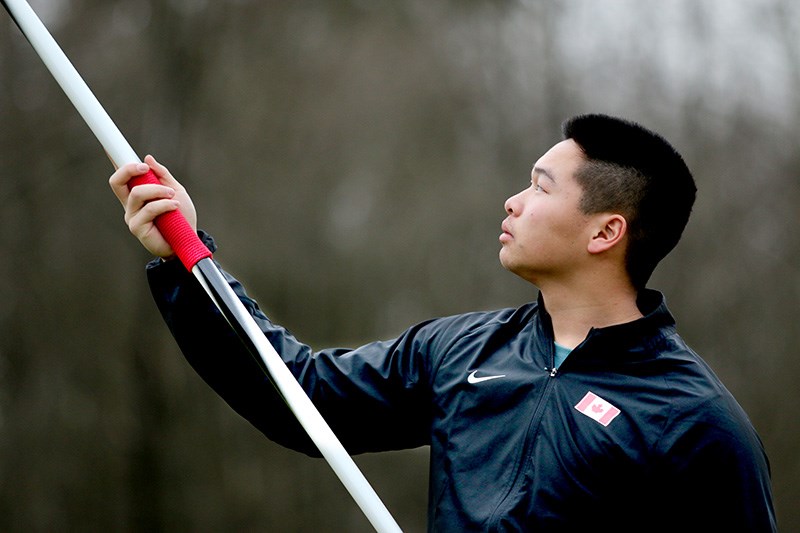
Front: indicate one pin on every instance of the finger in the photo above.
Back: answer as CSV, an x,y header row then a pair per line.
x,y
162,172
142,222
143,194
147,192
120,178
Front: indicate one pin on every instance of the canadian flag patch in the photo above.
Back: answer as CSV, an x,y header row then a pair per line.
x,y
597,408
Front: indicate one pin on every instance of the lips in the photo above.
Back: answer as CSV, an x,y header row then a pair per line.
x,y
506,231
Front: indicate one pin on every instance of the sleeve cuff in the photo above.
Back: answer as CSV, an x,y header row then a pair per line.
x,y
206,238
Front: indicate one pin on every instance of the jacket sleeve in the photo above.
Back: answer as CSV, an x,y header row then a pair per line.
x,y
374,397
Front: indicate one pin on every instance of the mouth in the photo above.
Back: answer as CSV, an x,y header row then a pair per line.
x,y
506,235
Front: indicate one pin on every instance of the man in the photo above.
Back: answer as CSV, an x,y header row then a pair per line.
x,y
584,409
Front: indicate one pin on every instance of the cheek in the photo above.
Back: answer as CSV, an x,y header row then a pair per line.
x,y
560,225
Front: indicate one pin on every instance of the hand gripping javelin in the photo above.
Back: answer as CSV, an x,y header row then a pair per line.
x,y
197,258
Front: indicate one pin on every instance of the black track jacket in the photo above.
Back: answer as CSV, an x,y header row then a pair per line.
x,y
633,432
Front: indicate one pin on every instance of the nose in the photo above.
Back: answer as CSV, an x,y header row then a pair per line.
x,y
512,204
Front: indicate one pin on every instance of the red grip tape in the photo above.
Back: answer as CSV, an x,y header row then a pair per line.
x,y
176,229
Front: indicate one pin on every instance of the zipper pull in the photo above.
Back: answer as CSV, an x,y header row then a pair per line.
x,y
553,372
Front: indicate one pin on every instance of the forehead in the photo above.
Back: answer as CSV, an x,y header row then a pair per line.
x,y
562,160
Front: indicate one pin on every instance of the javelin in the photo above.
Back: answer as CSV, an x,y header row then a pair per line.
x,y
197,258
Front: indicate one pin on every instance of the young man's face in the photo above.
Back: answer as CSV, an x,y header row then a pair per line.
x,y
545,235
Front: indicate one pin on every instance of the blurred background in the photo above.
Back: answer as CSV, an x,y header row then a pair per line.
x,y
351,159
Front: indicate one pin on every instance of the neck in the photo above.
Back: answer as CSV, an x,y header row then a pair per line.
x,y
575,311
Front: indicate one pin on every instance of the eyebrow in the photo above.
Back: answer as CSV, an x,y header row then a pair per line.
x,y
544,172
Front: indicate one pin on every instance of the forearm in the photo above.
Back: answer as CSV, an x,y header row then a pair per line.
x,y
215,352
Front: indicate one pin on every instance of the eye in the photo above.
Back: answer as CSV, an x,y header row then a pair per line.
x,y
535,184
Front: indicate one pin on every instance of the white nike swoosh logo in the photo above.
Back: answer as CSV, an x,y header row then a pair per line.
x,y
472,378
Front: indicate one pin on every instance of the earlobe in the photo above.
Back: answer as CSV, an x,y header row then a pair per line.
x,y
611,232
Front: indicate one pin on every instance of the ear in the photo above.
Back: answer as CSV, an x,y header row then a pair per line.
x,y
610,232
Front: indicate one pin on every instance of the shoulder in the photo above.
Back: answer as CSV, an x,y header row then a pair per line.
x,y
478,323
444,337
703,412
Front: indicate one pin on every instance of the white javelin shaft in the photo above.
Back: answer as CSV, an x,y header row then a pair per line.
x,y
121,153
73,85
302,407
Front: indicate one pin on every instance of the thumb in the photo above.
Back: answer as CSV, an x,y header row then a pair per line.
x,y
163,173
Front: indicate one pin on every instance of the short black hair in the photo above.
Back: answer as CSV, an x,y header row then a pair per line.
x,y
635,172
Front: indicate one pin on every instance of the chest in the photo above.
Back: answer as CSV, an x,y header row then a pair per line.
x,y
531,439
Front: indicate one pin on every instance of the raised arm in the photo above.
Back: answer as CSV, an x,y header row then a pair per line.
x,y
374,397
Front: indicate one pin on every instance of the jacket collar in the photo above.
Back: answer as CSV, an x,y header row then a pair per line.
x,y
634,339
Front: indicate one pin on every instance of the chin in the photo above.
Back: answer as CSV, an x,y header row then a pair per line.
x,y
508,260
503,260
518,270
511,267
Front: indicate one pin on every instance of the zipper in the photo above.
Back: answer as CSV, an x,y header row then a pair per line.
x,y
532,432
